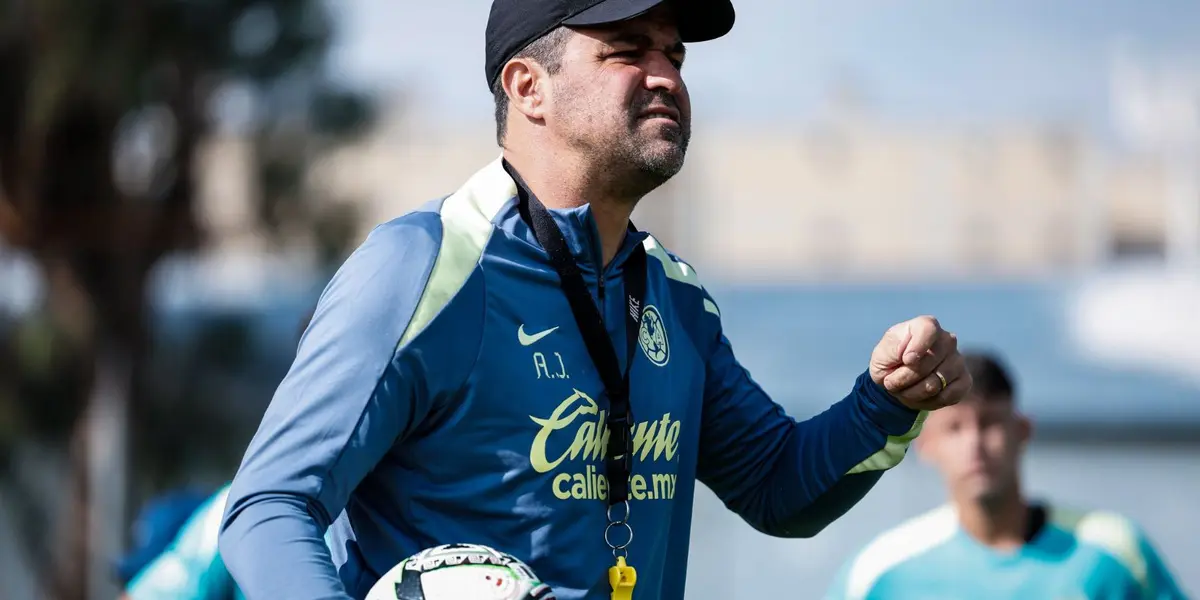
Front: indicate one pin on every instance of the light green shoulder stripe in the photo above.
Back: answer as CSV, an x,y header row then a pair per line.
x,y
908,540
466,227
677,270
1110,532
893,451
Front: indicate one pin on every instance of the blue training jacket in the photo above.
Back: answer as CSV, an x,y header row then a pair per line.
x,y
443,393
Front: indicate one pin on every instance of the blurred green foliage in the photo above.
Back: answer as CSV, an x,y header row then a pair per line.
x,y
105,106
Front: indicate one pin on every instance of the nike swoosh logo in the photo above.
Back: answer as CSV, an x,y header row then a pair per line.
x,y
527,339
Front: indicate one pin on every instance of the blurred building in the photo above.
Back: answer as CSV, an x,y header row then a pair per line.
x,y
848,196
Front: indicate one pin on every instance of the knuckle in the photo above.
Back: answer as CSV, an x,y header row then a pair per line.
x,y
954,366
918,324
949,397
904,377
932,386
904,394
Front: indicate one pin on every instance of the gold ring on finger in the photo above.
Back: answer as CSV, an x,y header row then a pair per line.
x,y
942,378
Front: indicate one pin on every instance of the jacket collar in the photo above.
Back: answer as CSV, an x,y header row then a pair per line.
x,y
579,228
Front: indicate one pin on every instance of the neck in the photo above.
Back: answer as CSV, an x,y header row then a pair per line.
x,y
999,522
563,181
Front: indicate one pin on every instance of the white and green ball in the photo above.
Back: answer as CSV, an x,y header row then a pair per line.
x,y
456,571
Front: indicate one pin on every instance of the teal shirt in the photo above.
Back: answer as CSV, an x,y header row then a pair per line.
x,y
1075,556
191,567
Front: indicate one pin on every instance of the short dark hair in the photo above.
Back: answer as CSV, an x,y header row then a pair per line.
x,y
546,51
991,377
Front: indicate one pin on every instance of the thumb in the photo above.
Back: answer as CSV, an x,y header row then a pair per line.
x,y
922,334
894,347
909,351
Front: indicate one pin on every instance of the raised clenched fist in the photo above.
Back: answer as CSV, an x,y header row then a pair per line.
x,y
918,363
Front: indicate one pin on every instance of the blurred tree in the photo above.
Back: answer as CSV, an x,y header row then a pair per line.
x,y
105,106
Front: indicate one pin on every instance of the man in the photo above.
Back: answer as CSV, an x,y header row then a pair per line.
x,y
189,567
464,378
991,541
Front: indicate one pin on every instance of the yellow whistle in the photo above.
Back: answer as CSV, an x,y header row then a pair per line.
x,y
622,577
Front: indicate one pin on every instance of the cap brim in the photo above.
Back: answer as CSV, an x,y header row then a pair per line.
x,y
698,20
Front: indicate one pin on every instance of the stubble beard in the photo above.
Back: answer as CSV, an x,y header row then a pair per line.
x,y
659,158
639,159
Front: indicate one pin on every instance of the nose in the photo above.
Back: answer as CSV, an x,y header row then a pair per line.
x,y
662,74
972,440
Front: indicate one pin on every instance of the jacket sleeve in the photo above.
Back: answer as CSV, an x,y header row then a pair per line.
x,y
360,383
789,478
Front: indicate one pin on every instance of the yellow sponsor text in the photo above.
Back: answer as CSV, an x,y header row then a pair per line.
x,y
577,430
591,484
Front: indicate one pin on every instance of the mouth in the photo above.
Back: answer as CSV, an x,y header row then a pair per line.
x,y
978,469
660,112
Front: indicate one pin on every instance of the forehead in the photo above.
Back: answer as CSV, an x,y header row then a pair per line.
x,y
973,407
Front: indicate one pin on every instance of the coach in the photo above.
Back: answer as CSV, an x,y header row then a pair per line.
x,y
516,365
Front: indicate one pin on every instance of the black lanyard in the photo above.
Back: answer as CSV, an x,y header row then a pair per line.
x,y
619,455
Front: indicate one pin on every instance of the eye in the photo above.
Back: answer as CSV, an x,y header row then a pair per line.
x,y
627,54
635,55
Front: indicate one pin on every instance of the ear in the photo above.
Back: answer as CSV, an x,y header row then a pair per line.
x,y
1024,429
525,83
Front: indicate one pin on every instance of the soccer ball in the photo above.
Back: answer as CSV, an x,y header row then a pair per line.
x,y
459,572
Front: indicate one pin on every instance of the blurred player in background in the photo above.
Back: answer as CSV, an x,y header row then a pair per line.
x,y
176,555
991,541
189,567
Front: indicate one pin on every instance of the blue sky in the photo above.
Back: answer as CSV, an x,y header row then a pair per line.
x,y
916,60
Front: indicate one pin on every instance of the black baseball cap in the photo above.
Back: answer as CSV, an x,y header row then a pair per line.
x,y
514,24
